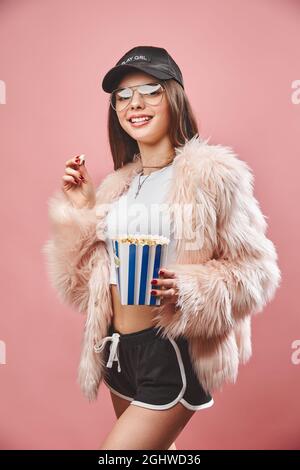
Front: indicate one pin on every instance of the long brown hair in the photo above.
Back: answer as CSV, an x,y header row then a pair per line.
x,y
183,125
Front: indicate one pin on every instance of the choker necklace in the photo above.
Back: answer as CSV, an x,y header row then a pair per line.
x,y
142,173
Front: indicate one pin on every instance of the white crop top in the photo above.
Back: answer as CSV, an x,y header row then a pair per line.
x,y
147,214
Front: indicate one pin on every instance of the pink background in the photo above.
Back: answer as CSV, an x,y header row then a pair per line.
x,y
239,59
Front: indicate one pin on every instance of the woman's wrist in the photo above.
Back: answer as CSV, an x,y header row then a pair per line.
x,y
88,205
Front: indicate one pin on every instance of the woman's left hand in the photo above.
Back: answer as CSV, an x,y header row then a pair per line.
x,y
165,287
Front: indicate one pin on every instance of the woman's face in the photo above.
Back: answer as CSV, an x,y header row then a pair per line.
x,y
158,126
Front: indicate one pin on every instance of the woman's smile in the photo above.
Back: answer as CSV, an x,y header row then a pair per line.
x,y
140,123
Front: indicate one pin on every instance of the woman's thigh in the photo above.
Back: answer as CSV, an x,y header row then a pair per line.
x,y
119,404
140,428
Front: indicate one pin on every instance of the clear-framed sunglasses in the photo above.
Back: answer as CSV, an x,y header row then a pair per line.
x,y
152,94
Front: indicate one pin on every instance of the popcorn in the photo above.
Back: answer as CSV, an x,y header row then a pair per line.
x,y
138,259
81,159
143,239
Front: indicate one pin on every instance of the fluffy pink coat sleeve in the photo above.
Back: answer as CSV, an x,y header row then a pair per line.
x,y
243,275
72,250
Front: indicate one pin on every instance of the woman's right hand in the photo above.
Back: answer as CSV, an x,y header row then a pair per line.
x,y
78,185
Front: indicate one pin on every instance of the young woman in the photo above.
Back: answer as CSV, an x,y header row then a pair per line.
x,y
161,363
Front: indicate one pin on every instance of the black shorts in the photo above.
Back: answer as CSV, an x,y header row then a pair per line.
x,y
152,371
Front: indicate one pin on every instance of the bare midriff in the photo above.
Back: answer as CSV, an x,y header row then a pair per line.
x,y
130,318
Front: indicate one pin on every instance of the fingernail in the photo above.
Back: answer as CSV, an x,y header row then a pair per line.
x,y
153,292
161,273
154,281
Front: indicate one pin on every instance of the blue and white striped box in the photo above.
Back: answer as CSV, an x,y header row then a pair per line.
x,y
138,259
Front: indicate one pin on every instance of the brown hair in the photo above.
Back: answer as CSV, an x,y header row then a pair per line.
x,y
183,125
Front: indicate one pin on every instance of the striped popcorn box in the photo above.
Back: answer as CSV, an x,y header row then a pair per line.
x,y
138,259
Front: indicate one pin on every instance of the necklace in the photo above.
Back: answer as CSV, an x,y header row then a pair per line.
x,y
142,173
140,185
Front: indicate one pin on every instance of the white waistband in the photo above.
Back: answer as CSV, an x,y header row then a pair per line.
x,y
113,354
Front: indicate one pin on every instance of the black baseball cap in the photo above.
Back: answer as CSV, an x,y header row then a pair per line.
x,y
149,59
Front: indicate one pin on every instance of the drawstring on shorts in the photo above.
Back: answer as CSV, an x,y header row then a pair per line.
x,y
113,354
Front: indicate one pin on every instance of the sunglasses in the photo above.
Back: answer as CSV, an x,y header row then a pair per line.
x,y
152,94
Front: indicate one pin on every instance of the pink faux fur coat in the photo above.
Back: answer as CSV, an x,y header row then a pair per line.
x,y
225,275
